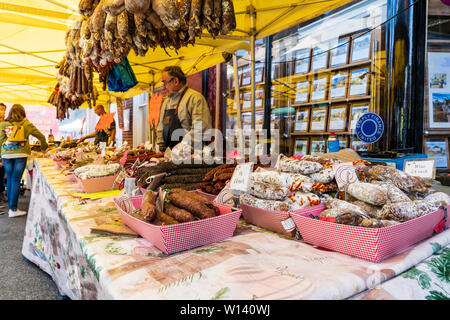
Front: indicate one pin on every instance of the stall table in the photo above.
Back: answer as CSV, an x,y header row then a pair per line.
x,y
253,264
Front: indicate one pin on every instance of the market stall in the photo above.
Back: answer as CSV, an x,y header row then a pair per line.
x,y
70,244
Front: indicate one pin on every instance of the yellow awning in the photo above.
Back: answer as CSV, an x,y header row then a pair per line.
x,y
33,32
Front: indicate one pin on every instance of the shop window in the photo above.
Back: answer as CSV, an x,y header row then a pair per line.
x,y
437,85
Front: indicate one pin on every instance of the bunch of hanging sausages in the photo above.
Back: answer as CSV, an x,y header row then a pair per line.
x,y
109,29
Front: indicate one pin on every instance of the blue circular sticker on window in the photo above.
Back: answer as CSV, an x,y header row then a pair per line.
x,y
369,128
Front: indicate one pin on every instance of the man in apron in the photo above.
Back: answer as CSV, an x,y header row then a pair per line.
x,y
184,113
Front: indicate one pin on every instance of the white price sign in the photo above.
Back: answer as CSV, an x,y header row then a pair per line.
x,y
344,173
425,169
241,175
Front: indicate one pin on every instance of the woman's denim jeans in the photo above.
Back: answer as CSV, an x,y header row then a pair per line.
x,y
14,168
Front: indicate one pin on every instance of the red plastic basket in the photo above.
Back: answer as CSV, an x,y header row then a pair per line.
x,y
97,184
267,219
372,244
183,236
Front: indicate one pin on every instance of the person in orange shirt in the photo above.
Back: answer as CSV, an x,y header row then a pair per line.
x,y
105,131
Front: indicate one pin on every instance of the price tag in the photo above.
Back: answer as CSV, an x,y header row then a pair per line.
x,y
344,173
425,169
288,224
241,175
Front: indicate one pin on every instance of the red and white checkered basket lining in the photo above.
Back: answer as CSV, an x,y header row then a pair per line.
x,y
187,235
267,219
373,244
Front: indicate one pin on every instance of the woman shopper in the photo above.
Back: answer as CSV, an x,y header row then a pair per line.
x,y
15,150
2,169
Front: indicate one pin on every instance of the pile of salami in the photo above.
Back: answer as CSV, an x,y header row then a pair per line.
x,y
179,206
216,179
183,176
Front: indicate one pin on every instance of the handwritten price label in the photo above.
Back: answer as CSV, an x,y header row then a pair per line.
x,y
425,169
241,175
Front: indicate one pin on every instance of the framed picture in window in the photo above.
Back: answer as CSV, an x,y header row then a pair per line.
x,y
259,119
302,120
301,147
439,110
356,111
246,100
359,82
246,76
319,88
358,145
339,54
437,148
319,58
246,121
259,73
338,84
301,92
337,118
343,142
302,60
318,119
361,47
259,97
317,146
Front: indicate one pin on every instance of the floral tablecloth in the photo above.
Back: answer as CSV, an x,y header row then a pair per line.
x,y
253,264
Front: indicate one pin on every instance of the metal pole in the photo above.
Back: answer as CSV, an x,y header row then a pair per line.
x,y
237,101
217,113
252,78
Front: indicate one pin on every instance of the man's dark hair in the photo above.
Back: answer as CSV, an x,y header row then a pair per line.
x,y
176,72
2,105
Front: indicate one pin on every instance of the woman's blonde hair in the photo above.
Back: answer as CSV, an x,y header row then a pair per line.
x,y
16,114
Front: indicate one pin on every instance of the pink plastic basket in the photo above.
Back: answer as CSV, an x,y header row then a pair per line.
x,y
97,184
60,164
267,219
372,244
183,236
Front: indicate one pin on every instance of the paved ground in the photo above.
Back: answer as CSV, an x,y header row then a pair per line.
x,y
20,279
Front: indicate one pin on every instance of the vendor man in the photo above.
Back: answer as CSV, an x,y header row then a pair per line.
x,y
105,130
184,108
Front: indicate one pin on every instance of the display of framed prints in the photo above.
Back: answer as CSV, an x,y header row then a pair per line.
x,y
437,148
360,47
301,120
301,92
439,90
319,88
318,119
358,82
338,85
301,147
319,58
356,111
337,118
317,146
340,53
302,60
